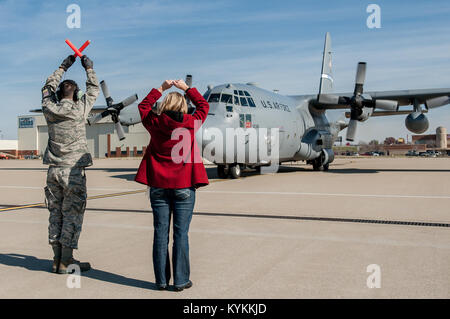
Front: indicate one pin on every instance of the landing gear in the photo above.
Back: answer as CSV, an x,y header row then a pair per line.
x,y
235,171
222,171
232,170
317,164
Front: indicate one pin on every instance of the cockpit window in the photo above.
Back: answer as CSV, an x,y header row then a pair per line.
x,y
206,95
246,93
226,98
243,101
251,102
236,100
236,92
214,98
241,93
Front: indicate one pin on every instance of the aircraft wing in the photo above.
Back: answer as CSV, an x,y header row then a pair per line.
x,y
94,110
383,103
407,97
429,97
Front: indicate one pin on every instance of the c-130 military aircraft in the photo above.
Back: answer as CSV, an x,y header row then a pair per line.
x,y
306,130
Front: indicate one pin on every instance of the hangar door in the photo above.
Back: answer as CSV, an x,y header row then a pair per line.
x,y
42,139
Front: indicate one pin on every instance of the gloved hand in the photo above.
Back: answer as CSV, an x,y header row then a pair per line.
x,y
86,62
67,63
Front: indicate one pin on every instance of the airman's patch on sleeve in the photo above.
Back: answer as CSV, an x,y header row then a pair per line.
x,y
45,93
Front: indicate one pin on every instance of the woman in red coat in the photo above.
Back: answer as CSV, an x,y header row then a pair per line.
x,y
172,167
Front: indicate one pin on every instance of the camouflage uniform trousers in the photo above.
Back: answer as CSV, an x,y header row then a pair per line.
x,y
66,200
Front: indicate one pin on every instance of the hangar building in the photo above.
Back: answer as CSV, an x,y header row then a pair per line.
x,y
101,138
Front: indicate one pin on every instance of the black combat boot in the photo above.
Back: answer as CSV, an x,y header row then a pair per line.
x,y
67,259
56,257
185,286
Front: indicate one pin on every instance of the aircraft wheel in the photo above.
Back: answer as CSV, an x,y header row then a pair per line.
x,y
326,167
235,171
316,166
221,171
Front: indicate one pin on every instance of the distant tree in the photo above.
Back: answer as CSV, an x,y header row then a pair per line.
x,y
374,142
389,141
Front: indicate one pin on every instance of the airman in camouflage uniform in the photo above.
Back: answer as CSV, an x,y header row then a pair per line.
x,y
68,155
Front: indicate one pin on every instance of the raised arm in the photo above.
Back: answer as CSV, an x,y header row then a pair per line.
x,y
51,85
145,107
53,80
92,86
201,106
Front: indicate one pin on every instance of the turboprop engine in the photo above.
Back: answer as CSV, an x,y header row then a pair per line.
x,y
417,122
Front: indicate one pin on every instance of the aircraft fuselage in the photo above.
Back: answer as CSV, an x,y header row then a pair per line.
x,y
303,132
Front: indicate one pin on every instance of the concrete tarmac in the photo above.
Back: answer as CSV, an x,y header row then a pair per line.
x,y
294,234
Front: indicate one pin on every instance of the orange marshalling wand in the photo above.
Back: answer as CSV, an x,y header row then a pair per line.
x,y
78,51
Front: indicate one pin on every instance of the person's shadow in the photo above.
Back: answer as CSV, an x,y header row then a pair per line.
x,y
35,264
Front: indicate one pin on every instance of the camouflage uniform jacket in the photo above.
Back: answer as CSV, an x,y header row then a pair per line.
x,y
66,119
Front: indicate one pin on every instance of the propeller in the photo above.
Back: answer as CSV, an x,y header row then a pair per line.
x,y
113,110
358,102
188,82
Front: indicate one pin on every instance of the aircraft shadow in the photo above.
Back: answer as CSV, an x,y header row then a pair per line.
x,y
36,264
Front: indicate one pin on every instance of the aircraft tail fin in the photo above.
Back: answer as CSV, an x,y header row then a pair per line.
x,y
326,77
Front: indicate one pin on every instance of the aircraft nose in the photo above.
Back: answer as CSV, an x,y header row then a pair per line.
x,y
200,137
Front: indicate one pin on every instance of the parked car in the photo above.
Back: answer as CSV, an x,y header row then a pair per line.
x,y
412,153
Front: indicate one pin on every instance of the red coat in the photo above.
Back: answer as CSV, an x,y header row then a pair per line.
x,y
158,168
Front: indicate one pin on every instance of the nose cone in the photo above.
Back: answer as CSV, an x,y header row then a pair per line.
x,y
198,137
201,136
208,132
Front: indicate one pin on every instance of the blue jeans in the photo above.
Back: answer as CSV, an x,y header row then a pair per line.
x,y
180,202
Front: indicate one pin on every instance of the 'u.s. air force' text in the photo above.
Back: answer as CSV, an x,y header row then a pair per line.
x,y
249,309
275,105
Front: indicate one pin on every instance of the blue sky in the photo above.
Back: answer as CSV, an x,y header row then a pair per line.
x,y
278,44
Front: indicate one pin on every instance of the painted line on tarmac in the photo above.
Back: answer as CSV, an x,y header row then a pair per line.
x,y
42,205
90,188
329,194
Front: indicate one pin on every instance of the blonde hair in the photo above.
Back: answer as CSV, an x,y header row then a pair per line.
x,y
174,101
